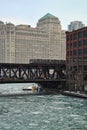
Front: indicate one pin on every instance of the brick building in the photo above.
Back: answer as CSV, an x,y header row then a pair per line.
x,y
76,57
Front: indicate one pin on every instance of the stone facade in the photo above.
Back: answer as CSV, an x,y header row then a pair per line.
x,y
20,43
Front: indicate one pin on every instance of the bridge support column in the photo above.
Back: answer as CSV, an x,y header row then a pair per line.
x,y
20,73
0,71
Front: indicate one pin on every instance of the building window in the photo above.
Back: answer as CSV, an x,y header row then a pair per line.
x,y
70,53
68,46
85,42
85,51
74,52
85,68
75,44
85,58
67,53
79,43
85,33
80,52
67,38
79,59
79,35
70,37
75,36
71,45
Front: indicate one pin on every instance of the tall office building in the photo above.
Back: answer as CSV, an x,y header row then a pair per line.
x,y
19,44
75,25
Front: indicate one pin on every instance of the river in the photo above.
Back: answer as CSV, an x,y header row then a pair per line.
x,y
46,112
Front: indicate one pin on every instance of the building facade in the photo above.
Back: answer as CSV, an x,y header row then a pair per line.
x,y
76,56
75,25
20,43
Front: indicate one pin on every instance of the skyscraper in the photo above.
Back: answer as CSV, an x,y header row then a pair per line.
x,y
75,25
20,43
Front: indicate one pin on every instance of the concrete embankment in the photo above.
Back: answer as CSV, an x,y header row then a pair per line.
x,y
74,94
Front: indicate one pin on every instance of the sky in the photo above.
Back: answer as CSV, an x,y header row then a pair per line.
x,y
30,11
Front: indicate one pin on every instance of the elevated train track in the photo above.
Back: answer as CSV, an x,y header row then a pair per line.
x,y
46,73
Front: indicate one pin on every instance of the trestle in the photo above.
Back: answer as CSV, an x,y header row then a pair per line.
x,y
40,73
28,71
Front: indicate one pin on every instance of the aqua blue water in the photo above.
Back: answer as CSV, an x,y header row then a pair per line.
x,y
47,112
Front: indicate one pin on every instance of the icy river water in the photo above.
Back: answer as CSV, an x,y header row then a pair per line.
x,y
45,112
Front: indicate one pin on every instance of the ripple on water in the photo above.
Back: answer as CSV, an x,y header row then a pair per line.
x,y
43,113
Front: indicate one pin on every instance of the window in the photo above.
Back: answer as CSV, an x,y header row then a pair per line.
x,y
75,36
79,43
68,46
75,53
80,52
85,51
75,44
67,38
79,35
85,33
79,59
70,37
70,53
67,53
85,42
85,58
85,68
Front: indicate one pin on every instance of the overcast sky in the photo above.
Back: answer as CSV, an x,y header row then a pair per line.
x,y
29,11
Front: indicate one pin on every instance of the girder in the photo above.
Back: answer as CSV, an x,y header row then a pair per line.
x,y
32,72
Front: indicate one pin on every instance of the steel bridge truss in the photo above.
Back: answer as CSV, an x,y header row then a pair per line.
x,y
32,71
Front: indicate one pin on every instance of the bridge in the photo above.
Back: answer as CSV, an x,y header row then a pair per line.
x,y
48,74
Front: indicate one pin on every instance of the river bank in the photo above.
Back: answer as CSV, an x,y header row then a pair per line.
x,y
74,94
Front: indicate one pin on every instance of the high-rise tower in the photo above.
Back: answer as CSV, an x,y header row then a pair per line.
x,y
75,25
